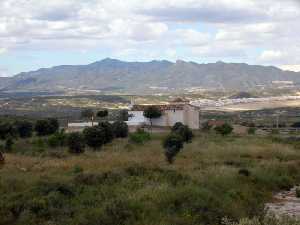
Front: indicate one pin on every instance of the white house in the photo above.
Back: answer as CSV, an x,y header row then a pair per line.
x,y
177,111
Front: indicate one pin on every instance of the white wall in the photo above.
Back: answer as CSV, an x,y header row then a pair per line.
x,y
169,118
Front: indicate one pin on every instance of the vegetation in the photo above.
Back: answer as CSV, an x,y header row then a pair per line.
x,y
183,131
94,137
102,113
215,177
224,129
140,136
76,143
172,145
24,128
46,126
120,129
152,112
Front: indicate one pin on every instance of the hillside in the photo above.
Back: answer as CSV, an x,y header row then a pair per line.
x,y
115,75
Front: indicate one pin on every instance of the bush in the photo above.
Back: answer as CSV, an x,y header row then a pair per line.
x,y
172,145
57,140
224,129
244,172
7,130
206,126
76,143
108,130
120,129
140,136
24,128
298,192
94,137
184,131
46,127
102,113
9,144
251,130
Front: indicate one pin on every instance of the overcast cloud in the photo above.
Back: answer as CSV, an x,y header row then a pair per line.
x,y
40,33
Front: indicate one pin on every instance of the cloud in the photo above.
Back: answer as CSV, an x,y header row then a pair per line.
x,y
2,50
271,56
204,29
295,68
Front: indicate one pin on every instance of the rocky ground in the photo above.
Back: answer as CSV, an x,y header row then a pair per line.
x,y
285,203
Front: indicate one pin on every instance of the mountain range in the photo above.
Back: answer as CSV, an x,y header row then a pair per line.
x,y
110,75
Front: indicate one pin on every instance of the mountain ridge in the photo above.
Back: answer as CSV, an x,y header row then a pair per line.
x,y
113,74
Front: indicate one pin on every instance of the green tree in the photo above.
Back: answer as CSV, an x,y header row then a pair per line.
x,y
184,131
120,129
88,114
24,128
102,113
53,125
152,112
224,129
7,130
58,139
94,137
108,131
9,144
76,143
172,144
2,160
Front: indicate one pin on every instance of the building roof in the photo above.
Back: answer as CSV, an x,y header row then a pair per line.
x,y
161,107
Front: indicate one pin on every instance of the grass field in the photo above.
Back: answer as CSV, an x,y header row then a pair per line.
x,y
212,178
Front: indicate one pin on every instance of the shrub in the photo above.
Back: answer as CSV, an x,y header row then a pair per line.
x,y
102,113
108,131
46,127
224,129
184,131
9,144
57,140
2,160
172,145
120,129
24,128
140,136
251,130
298,192
76,143
94,137
7,130
244,172
176,126
206,126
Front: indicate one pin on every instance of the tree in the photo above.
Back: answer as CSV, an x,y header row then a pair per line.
x,y
76,143
9,144
184,131
57,140
6,130
172,145
224,129
53,125
2,160
46,126
102,113
108,131
24,128
89,114
94,137
120,129
124,115
152,112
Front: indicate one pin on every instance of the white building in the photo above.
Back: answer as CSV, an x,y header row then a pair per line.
x,y
171,113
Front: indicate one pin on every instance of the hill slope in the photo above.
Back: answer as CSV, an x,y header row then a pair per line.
x,y
112,74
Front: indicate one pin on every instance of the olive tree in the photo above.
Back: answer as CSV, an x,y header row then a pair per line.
x,y
152,112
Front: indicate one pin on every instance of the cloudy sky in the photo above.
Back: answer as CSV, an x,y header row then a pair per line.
x,y
43,33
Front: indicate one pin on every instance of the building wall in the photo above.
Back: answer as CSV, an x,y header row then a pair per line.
x,y
189,116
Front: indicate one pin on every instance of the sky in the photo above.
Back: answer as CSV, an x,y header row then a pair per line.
x,y
43,33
